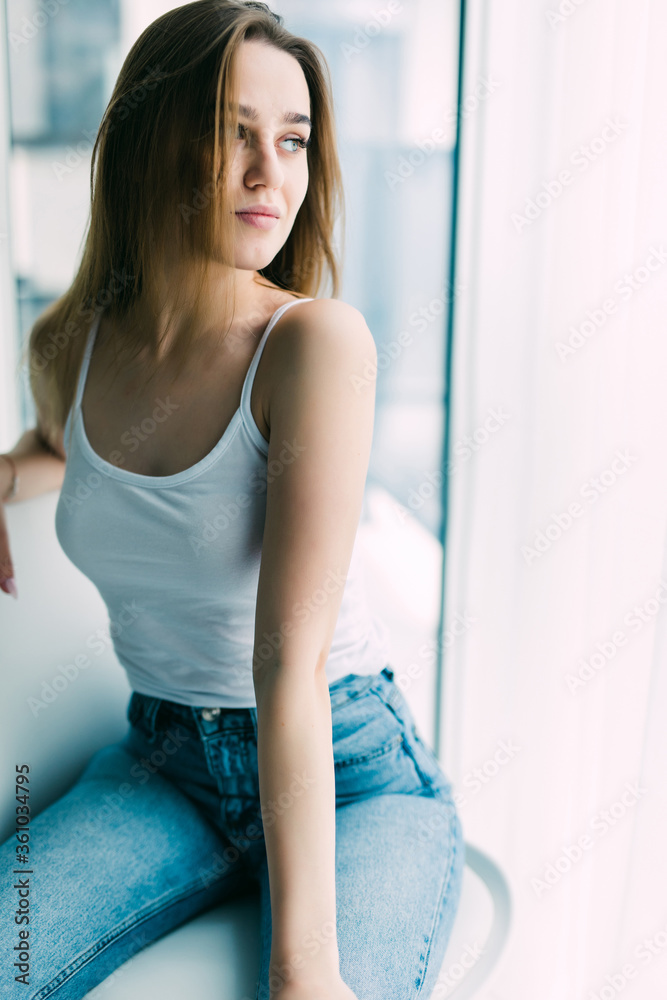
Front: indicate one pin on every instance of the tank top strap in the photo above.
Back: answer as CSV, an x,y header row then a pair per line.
x,y
247,385
81,381
85,363
246,413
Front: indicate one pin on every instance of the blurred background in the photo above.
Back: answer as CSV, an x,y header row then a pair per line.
x,y
512,271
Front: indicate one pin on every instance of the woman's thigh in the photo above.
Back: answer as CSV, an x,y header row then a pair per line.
x,y
399,849
399,866
120,859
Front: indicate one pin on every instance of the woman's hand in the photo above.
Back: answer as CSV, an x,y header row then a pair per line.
x,y
333,990
6,566
42,469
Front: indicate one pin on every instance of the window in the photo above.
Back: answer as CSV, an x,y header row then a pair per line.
x,y
394,71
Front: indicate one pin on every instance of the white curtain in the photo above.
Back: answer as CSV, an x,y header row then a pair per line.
x,y
555,724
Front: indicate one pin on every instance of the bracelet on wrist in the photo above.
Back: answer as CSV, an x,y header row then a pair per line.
x,y
15,479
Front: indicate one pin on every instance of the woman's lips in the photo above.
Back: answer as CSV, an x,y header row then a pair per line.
x,y
258,220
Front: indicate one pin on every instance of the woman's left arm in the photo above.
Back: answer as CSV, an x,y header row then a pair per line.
x,y
320,414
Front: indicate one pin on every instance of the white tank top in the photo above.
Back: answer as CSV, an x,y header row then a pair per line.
x,y
176,560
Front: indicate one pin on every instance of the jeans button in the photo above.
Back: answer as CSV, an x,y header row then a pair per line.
x,y
210,714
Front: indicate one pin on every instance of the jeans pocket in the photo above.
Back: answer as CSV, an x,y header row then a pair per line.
x,y
433,779
370,751
363,729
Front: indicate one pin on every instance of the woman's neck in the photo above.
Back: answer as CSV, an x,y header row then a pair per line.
x,y
255,302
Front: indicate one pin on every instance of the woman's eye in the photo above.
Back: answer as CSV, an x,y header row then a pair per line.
x,y
300,143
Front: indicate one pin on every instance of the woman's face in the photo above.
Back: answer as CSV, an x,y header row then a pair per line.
x,y
269,166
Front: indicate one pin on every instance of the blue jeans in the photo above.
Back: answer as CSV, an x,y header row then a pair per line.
x,y
166,823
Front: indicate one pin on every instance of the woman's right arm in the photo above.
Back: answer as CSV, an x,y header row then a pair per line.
x,y
39,457
40,468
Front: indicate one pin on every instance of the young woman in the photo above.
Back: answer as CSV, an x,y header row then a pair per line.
x,y
222,418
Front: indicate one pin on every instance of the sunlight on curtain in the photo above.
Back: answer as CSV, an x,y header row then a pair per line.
x,y
556,696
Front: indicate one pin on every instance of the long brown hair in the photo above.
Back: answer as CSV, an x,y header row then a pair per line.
x,y
169,123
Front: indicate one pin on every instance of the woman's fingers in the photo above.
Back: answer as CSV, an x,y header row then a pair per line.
x,y
7,582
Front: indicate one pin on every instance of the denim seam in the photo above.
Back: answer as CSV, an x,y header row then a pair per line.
x,y
266,927
144,714
351,696
424,778
446,882
205,742
444,794
150,714
128,924
374,754
253,718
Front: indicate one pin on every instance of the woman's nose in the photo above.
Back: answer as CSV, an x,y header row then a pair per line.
x,y
262,164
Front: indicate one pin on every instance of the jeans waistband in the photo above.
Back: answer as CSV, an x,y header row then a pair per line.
x,y
158,713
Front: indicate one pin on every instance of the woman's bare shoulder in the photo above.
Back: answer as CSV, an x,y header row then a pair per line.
x,y
329,307
314,341
317,331
324,317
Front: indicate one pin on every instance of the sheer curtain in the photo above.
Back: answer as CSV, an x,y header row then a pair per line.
x,y
555,699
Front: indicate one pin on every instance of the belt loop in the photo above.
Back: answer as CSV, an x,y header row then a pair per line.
x,y
393,694
151,710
